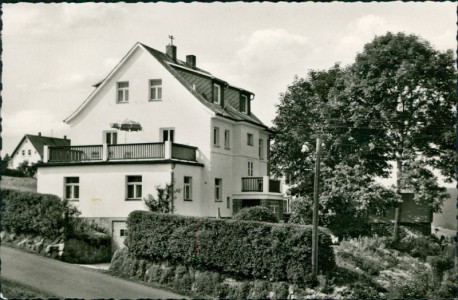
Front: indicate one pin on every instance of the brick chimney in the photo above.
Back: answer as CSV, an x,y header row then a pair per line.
x,y
171,51
65,137
191,61
39,134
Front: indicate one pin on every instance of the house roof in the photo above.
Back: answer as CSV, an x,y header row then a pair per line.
x,y
198,82
194,85
39,141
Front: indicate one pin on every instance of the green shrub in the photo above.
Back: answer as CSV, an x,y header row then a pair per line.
x,y
237,248
418,246
256,213
82,252
36,214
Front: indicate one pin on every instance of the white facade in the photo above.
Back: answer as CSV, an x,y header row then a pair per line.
x,y
24,152
215,174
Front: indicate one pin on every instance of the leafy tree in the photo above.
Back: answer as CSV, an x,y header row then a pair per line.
x,y
405,89
24,167
395,103
346,191
163,203
5,160
28,169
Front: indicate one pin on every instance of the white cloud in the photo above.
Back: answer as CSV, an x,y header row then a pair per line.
x,y
268,52
447,40
359,32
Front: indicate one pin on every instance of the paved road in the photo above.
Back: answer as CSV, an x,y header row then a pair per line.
x,y
71,281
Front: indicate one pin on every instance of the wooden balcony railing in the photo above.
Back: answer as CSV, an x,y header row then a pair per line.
x,y
184,152
105,152
136,151
252,184
260,184
75,153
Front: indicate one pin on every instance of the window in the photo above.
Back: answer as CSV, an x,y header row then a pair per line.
x,y
249,139
167,134
30,152
216,136
274,208
123,92
134,188
155,89
123,232
23,152
110,137
244,104
250,168
187,190
227,139
72,188
216,93
228,202
261,149
218,189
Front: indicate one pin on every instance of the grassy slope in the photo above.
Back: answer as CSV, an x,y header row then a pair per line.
x,y
26,184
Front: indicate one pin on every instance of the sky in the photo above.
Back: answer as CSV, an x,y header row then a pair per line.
x,y
54,53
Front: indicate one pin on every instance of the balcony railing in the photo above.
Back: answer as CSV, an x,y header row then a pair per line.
x,y
106,152
75,153
184,152
136,151
260,184
252,184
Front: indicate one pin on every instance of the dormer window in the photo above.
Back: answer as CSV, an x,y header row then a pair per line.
x,y
244,104
123,92
216,93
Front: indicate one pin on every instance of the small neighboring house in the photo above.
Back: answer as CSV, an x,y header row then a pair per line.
x,y
30,148
417,216
197,131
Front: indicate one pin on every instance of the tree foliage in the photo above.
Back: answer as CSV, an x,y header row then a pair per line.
x,y
28,169
395,103
163,203
256,213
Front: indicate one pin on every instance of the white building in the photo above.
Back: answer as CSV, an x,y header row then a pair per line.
x,y
30,149
197,131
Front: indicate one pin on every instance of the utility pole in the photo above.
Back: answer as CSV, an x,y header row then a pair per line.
x,y
316,190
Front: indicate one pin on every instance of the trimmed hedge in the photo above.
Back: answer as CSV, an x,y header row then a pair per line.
x,y
34,213
238,248
256,213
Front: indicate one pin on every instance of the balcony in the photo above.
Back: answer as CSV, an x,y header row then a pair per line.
x,y
120,152
260,184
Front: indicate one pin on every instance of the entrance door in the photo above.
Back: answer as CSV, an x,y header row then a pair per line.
x,y
119,233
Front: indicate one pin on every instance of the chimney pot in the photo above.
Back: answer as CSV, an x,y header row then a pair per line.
x,y
191,61
65,137
39,134
171,51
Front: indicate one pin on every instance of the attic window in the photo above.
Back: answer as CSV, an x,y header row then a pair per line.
x,y
123,92
216,93
244,104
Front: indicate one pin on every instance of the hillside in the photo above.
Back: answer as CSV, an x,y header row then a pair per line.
x,y
27,184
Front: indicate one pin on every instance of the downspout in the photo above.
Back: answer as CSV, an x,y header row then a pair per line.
x,y
172,185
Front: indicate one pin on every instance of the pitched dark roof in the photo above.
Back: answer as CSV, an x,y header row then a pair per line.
x,y
199,83
38,142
